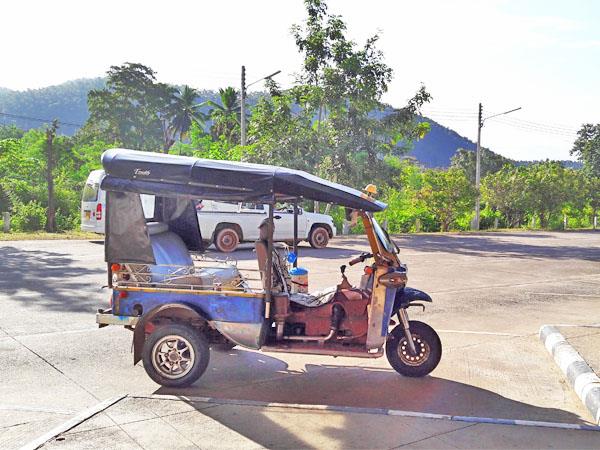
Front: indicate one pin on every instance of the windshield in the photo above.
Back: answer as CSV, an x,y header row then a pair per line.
x,y
384,238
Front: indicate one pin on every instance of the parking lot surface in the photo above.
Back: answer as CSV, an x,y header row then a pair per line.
x,y
491,291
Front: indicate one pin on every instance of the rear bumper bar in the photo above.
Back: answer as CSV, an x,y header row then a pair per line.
x,y
106,317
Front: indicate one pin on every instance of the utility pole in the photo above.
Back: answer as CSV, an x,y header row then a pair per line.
x,y
480,121
51,213
243,107
478,169
243,101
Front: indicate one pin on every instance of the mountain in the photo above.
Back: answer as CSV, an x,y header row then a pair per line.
x,y
439,145
68,103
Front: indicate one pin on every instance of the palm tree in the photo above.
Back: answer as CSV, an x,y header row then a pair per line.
x,y
182,112
225,116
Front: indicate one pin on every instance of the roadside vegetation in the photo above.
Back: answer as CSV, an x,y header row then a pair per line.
x,y
331,122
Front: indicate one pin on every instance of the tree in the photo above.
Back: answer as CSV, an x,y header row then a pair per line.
x,y
226,115
50,163
333,118
505,191
547,188
39,179
133,109
490,162
593,194
447,194
184,110
10,132
587,148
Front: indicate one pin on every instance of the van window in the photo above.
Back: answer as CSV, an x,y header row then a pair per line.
x,y
90,192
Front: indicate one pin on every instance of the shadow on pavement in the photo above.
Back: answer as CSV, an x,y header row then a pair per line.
x,y
247,375
331,252
54,277
494,245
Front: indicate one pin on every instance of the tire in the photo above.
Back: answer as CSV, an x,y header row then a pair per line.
x,y
159,347
319,237
426,340
227,240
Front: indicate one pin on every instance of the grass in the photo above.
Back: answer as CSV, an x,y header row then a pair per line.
x,y
43,236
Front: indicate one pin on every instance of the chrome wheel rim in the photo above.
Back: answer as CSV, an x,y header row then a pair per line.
x,y
422,348
173,356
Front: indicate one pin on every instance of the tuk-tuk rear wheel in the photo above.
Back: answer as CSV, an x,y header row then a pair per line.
x,y
427,344
175,355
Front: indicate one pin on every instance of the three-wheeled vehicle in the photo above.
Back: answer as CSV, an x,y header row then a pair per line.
x,y
181,303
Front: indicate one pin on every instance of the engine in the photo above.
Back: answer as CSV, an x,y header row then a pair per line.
x,y
343,319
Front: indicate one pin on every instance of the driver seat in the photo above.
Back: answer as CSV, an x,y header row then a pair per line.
x,y
281,277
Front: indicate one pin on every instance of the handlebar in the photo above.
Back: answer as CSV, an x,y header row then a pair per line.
x,y
360,258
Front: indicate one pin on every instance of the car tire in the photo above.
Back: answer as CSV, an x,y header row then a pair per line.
x,y
175,355
227,240
428,346
319,237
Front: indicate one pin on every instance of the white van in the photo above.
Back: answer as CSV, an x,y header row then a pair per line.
x,y
93,204
93,200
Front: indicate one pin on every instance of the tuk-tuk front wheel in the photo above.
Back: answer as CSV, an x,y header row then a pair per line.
x,y
175,355
428,350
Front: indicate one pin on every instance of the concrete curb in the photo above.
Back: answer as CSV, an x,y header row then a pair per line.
x,y
376,411
580,376
72,423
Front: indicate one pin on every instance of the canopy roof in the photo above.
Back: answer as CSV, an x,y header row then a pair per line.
x,y
171,175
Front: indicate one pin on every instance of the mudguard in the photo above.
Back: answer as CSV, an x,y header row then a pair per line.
x,y
408,295
172,310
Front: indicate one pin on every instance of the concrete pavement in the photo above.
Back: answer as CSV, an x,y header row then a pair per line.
x,y
159,423
491,294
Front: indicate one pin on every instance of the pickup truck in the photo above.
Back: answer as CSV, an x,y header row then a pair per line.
x,y
228,224
222,224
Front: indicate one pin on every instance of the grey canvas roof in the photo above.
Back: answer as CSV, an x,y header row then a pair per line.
x,y
171,175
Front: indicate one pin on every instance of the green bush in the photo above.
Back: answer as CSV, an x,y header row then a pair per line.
x,y
67,221
29,216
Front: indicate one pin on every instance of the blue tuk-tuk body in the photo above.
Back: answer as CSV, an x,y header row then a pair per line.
x,y
180,303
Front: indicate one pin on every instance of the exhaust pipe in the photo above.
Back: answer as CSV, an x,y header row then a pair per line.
x,y
337,315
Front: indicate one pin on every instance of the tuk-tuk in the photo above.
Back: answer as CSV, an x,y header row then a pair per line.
x,y
180,303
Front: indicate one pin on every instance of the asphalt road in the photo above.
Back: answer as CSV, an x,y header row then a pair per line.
x,y
491,294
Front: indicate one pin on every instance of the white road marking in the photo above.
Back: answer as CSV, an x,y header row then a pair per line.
x,y
490,333
556,294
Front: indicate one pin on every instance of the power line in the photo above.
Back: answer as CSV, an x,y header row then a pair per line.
x,y
460,113
525,126
37,119
559,128
449,113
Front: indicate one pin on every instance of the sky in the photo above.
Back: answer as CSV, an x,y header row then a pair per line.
x,y
542,56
